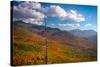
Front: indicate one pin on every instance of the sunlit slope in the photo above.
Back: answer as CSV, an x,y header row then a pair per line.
x,y
29,45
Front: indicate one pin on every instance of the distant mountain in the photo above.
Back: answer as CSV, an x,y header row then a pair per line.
x,y
83,33
89,35
59,35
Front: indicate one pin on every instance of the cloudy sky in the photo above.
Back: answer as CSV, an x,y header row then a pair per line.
x,y
62,16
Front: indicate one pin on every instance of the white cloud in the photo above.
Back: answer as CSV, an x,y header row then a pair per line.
x,y
26,11
69,25
30,4
57,11
87,25
73,15
37,14
52,24
34,21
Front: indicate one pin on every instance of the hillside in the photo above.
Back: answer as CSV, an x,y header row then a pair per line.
x,y
63,46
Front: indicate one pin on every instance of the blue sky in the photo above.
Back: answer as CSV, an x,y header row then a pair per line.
x,y
62,16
